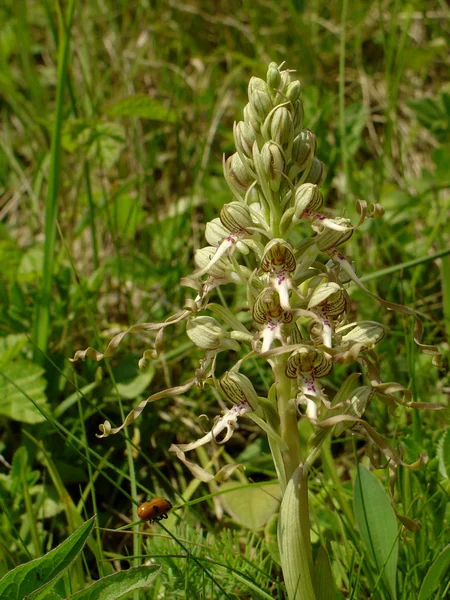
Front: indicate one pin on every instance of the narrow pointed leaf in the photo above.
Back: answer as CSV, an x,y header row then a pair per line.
x,y
24,580
117,585
378,526
436,574
323,577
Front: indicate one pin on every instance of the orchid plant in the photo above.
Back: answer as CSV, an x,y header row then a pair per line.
x,y
276,247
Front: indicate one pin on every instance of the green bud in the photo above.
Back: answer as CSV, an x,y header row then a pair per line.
x,y
272,162
282,88
205,332
317,172
308,198
208,334
215,232
282,128
261,104
203,257
298,117
238,388
236,217
273,77
244,138
293,91
332,238
308,360
238,175
278,254
367,333
251,118
303,149
256,84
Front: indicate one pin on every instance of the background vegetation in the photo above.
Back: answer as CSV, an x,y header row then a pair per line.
x,y
115,116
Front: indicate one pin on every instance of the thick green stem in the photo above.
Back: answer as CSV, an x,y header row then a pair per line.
x,y
292,456
294,526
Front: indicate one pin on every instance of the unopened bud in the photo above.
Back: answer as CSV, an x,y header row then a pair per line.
x,y
317,172
215,232
284,83
272,162
293,91
205,332
251,118
236,217
332,238
238,388
308,198
273,77
282,128
203,257
261,104
256,84
244,138
298,117
303,149
238,175
367,333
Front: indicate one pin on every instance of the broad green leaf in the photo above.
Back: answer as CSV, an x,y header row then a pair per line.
x,y
435,574
13,403
25,581
323,577
142,106
252,506
116,585
378,526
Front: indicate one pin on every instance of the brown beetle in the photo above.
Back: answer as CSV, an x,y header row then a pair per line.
x,y
155,510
